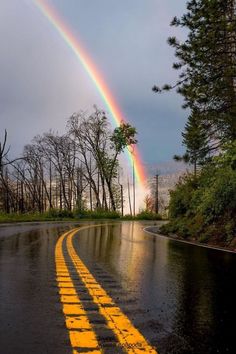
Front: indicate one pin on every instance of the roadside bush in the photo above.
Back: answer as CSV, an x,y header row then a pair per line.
x,y
220,197
178,226
127,217
204,207
98,214
147,215
181,197
57,213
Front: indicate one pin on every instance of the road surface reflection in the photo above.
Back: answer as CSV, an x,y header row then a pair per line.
x,y
181,297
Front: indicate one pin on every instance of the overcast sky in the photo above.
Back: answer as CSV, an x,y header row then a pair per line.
x,y
42,82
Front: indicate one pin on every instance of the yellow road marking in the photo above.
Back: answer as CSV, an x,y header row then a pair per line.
x,y
83,339
67,291
90,352
69,299
80,329
128,336
77,322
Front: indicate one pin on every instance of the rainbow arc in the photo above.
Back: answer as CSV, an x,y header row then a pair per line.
x,y
74,44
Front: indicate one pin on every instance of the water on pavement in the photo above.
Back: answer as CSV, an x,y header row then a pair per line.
x,y
180,297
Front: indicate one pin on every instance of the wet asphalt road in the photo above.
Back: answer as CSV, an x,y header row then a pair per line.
x,y
180,297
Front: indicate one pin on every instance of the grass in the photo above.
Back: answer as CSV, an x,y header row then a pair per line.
x,y
29,217
64,215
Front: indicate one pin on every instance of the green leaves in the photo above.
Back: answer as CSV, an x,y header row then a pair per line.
x,y
123,136
206,204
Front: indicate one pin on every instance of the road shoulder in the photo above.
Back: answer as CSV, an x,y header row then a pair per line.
x,y
154,230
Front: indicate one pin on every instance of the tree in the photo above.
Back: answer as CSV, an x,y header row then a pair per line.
x,y
207,60
204,205
123,136
3,151
91,136
76,170
99,149
195,141
6,190
149,204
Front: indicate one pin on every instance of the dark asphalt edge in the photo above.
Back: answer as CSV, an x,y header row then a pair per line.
x,y
145,229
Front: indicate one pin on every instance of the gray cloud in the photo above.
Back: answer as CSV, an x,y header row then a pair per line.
x,y
42,82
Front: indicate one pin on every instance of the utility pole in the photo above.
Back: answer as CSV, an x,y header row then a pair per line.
x,y
156,195
90,185
130,207
122,199
134,190
121,195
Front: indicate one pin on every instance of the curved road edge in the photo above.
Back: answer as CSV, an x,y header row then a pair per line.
x,y
145,229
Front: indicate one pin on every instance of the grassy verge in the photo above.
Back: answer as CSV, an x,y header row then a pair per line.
x,y
30,217
64,215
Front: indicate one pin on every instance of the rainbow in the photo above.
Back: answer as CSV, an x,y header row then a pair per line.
x,y
51,14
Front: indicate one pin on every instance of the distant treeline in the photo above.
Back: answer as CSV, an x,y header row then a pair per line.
x,y
78,170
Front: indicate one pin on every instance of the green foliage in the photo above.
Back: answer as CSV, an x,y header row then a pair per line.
x,y
180,199
220,197
207,71
176,226
147,215
127,217
98,214
31,217
123,136
59,214
66,215
228,156
195,140
204,206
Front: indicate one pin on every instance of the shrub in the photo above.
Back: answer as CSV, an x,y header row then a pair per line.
x,y
98,214
127,217
147,215
57,213
220,197
180,198
204,207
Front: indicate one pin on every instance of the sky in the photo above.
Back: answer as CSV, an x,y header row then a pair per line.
x,y
43,83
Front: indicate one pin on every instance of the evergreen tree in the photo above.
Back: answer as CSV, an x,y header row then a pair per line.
x,y
207,64
195,141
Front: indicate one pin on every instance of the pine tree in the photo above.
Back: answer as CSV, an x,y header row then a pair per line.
x,y
207,64
195,140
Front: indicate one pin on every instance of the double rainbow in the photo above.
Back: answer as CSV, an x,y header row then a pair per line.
x,y
51,14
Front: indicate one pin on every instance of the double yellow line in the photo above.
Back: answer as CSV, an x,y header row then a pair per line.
x,y
81,331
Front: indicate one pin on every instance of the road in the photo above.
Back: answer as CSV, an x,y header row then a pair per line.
x,y
112,288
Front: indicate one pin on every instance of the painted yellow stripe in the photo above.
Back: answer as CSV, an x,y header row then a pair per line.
x,y
128,336
80,329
